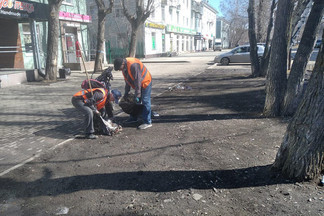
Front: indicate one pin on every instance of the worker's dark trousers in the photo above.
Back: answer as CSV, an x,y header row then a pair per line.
x,y
87,112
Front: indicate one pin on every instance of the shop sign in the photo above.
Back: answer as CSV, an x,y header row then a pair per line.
x,y
23,9
17,5
177,29
74,17
154,25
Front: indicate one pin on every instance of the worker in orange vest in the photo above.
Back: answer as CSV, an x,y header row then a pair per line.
x,y
138,77
89,105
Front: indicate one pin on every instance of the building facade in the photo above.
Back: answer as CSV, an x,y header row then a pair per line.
x,y
175,26
23,41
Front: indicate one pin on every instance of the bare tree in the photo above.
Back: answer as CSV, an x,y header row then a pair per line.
x,y
295,80
52,39
235,13
277,73
142,12
255,66
301,155
102,13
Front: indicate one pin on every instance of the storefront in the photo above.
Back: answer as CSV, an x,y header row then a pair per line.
x,y
180,39
72,26
18,24
154,40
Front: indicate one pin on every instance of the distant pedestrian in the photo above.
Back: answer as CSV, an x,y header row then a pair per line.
x,y
138,77
89,105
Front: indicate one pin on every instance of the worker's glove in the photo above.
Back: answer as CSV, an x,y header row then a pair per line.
x,y
90,101
138,100
94,110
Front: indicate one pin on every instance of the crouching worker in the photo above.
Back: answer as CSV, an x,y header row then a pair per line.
x,y
138,77
90,105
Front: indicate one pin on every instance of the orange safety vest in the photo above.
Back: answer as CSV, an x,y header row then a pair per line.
x,y
99,104
146,76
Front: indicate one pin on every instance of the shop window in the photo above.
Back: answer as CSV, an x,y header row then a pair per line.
x,y
27,38
153,41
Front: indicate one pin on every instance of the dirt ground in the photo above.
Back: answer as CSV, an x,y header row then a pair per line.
x,y
209,153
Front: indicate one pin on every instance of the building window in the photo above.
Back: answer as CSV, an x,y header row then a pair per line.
x,y
153,14
93,10
68,2
119,12
153,41
163,13
178,18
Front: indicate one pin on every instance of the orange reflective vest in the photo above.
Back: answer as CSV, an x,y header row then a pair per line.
x,y
146,75
99,104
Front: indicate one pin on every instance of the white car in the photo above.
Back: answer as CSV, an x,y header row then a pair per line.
x,y
240,54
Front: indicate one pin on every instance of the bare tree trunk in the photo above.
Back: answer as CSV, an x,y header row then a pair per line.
x,y
259,21
266,55
132,46
277,74
102,13
52,41
301,155
100,41
299,10
295,81
255,66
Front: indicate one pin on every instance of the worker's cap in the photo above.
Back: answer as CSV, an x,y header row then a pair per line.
x,y
118,63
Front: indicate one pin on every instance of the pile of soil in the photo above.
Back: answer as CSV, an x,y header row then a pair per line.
x,y
208,153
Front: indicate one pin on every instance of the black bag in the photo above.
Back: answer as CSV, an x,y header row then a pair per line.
x,y
105,127
128,105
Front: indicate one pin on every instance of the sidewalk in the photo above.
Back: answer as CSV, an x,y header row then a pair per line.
x,y
35,117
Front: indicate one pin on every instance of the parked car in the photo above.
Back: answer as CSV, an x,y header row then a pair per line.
x,y
240,54
218,46
318,43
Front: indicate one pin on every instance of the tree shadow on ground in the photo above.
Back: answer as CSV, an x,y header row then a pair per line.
x,y
145,181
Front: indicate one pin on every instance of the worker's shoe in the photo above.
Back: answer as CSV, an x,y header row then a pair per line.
x,y
144,126
91,136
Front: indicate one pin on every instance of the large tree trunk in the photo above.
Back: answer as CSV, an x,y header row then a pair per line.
x,y
266,55
52,41
301,155
295,81
277,73
100,41
255,66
